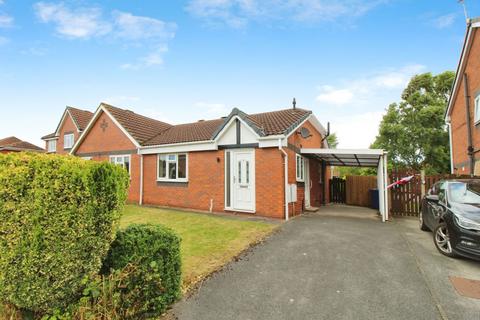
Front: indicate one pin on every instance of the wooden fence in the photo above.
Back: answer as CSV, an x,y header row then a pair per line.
x,y
357,190
405,200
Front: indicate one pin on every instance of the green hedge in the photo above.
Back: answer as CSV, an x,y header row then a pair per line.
x,y
150,254
57,218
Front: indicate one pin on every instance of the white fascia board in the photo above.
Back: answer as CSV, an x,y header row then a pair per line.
x,y
272,141
367,152
52,138
180,147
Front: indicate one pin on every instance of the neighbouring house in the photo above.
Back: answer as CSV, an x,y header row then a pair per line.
x,y
13,144
247,163
71,125
463,113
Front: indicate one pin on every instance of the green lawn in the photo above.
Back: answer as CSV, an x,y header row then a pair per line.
x,y
208,242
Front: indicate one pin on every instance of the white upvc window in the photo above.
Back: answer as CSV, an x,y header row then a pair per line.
x,y
300,165
68,140
121,160
52,146
476,116
172,167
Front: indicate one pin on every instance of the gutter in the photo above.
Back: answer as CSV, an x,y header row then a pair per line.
x,y
286,176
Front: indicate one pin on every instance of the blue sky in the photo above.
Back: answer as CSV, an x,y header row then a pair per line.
x,y
180,61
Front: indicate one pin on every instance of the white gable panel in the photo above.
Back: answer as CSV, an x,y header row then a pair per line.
x,y
229,136
247,135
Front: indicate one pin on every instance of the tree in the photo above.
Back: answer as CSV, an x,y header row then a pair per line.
x,y
332,141
413,131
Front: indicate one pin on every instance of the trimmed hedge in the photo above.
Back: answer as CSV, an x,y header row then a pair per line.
x,y
151,256
57,218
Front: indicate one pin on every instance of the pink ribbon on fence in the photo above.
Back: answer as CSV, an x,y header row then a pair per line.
x,y
402,181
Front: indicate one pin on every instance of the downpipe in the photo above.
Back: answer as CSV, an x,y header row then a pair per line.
x,y
286,176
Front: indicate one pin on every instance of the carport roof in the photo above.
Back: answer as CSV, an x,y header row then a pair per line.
x,y
346,157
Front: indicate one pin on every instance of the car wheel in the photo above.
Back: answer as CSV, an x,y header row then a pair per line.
x,y
442,240
422,224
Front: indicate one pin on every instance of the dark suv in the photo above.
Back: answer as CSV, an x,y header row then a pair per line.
x,y
451,209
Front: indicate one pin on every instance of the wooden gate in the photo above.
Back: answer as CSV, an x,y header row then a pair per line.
x,y
338,190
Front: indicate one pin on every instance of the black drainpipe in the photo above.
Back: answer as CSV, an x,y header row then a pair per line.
x,y
470,152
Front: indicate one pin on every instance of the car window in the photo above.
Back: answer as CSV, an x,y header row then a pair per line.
x,y
433,190
441,192
461,192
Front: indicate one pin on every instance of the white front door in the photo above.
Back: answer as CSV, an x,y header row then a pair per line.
x,y
243,176
308,183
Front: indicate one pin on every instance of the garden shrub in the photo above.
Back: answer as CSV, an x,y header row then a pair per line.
x,y
147,261
57,219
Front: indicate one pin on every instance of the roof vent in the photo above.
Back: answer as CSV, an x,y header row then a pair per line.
x,y
294,103
201,120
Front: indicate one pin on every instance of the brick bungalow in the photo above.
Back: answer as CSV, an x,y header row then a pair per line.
x,y
246,163
463,113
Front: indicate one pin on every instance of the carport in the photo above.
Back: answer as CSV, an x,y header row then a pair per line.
x,y
373,158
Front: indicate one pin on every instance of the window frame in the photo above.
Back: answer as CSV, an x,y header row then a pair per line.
x,y
54,149
123,156
168,161
476,110
300,174
65,139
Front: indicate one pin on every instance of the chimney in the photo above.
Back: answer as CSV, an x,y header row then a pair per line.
x,y
294,103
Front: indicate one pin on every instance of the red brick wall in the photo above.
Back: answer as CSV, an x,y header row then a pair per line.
x,y
270,183
100,144
206,182
458,115
298,142
67,127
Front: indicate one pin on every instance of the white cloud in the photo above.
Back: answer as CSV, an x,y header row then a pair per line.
x,y
73,23
237,13
335,96
357,130
6,21
133,27
148,34
361,90
444,21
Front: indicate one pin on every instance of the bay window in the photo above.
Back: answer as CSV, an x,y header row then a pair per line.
x,y
172,167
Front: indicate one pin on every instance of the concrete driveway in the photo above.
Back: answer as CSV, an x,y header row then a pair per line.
x,y
338,263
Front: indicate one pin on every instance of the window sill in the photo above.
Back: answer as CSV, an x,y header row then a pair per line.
x,y
172,180
172,183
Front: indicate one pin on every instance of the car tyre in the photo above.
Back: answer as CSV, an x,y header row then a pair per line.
x,y
442,240
422,224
